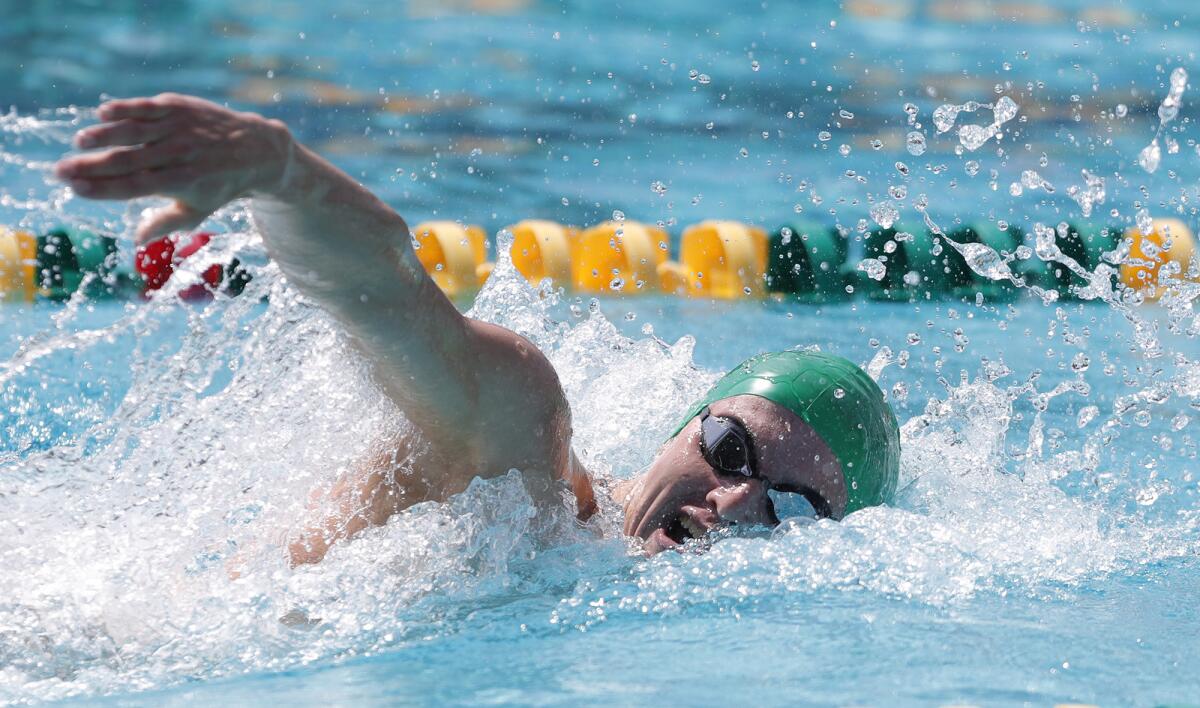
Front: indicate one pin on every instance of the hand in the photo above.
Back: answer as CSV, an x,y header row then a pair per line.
x,y
193,151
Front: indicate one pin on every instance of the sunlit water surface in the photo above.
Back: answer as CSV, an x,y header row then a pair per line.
x,y
1041,548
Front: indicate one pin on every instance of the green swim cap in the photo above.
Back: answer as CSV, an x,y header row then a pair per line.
x,y
839,401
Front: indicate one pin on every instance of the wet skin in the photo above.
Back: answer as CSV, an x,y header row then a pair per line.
x,y
480,398
680,495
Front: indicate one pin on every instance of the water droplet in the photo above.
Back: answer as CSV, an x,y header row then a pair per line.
x,y
754,66
616,283
704,79
1080,362
885,214
1145,224
839,393
845,114
914,339
1150,156
618,215
972,167
898,192
944,117
1086,415
824,136
658,188
1122,110
902,168
983,259
915,142
1004,110
876,144
844,149
973,137
744,152
874,268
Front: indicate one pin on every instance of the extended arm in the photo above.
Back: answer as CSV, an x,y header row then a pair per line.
x,y
484,397
334,240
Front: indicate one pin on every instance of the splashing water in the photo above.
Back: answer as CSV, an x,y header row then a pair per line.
x,y
198,449
873,267
884,214
1151,156
915,143
973,137
1091,194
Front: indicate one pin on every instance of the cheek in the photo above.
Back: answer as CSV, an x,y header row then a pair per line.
x,y
683,474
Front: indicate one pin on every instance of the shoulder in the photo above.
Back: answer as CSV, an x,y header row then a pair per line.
x,y
522,406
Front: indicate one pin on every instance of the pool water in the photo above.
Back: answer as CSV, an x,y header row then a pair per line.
x,y
1042,547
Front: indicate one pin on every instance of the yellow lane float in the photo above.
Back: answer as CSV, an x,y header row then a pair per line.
x,y
544,249
720,259
619,257
454,255
18,266
1168,241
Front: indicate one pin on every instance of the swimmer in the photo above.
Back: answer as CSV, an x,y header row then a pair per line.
x,y
779,431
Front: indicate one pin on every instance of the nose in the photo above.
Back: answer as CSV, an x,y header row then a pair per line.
x,y
741,503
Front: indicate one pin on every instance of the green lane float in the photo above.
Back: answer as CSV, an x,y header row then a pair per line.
x,y
18,266
70,257
718,259
454,255
895,248
1083,244
932,273
726,260
1167,248
959,277
619,257
544,249
808,261
919,266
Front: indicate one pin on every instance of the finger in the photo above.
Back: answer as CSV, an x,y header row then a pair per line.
x,y
123,132
135,184
124,160
135,108
176,216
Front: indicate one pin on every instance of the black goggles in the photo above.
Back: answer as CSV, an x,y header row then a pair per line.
x,y
725,445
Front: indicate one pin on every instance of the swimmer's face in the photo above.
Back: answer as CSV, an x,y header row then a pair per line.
x,y
681,496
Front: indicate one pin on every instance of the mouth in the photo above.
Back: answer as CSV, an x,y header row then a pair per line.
x,y
689,523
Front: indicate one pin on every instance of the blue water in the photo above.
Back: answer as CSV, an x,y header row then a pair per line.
x,y
1039,551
